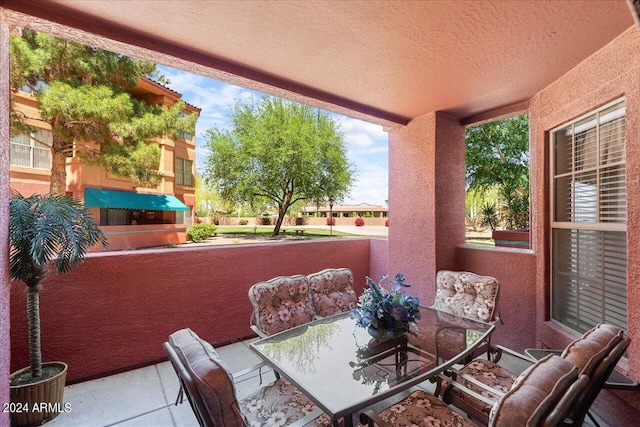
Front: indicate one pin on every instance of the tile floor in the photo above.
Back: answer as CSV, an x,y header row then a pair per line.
x,y
146,397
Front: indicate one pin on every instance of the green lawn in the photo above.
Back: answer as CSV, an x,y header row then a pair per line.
x,y
267,230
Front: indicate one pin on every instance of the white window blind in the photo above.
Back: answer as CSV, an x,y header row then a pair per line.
x,y
589,236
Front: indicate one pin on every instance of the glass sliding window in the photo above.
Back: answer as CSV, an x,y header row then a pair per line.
x,y
32,151
184,175
589,222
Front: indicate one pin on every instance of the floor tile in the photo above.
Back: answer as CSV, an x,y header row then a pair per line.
x,y
113,399
159,418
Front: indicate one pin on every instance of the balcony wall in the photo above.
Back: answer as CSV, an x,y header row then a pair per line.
x,y
142,236
114,311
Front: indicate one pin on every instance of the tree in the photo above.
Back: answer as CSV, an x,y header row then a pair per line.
x,y
42,228
82,95
278,152
497,155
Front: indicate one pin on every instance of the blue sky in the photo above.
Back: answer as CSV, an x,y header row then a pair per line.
x,y
367,144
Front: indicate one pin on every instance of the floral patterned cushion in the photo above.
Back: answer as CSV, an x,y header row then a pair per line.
x,y
332,291
466,294
487,372
281,303
423,409
278,404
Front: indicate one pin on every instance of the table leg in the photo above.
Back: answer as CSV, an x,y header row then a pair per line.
x,y
347,421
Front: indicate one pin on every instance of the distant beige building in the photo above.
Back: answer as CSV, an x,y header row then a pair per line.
x,y
346,211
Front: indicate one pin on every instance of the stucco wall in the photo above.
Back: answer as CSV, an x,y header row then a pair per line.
x,y
609,74
114,311
426,195
515,270
378,258
4,222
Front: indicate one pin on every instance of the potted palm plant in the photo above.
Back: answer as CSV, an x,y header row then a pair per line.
x,y
43,228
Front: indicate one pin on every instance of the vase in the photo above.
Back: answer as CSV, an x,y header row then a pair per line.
x,y
385,334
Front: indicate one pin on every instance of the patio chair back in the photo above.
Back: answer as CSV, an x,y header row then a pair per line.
x,y
542,396
597,380
280,304
331,291
205,380
467,294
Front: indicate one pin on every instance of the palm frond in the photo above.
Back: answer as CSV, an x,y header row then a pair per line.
x,y
46,227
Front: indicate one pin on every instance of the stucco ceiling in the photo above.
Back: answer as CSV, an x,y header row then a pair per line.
x,y
389,61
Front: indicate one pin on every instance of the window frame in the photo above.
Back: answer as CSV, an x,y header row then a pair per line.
x,y
181,174
572,223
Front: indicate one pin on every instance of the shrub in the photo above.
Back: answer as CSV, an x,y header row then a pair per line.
x,y
331,221
359,222
200,232
243,222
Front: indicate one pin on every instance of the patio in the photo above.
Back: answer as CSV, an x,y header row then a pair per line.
x,y
447,65
146,396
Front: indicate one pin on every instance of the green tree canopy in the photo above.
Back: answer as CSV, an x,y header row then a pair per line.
x,y
497,156
278,152
82,94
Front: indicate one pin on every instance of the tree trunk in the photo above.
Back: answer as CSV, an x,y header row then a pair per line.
x,y
33,316
58,166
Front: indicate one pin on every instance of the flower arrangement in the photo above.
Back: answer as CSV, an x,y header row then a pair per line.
x,y
385,311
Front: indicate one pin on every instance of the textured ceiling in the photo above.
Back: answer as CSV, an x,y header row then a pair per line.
x,y
389,61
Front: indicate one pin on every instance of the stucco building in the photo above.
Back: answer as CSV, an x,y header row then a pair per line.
x,y
425,71
130,214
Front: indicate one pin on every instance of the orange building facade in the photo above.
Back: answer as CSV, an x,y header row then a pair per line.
x,y
129,215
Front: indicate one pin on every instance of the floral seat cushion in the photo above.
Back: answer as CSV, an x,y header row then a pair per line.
x,y
487,372
281,303
332,291
423,409
279,404
466,294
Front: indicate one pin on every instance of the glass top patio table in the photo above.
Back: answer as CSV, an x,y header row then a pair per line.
x,y
341,368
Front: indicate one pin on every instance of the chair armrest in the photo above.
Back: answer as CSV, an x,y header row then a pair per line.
x,y
452,383
258,331
370,418
248,370
516,354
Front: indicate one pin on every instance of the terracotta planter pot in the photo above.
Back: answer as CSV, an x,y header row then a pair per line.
x,y
511,238
36,403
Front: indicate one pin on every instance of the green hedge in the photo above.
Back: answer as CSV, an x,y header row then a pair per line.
x,y
200,232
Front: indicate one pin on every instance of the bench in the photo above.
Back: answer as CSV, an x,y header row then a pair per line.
x,y
299,232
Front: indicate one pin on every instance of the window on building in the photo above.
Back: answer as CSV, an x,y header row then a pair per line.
x,y
186,135
32,151
184,172
589,222
184,217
